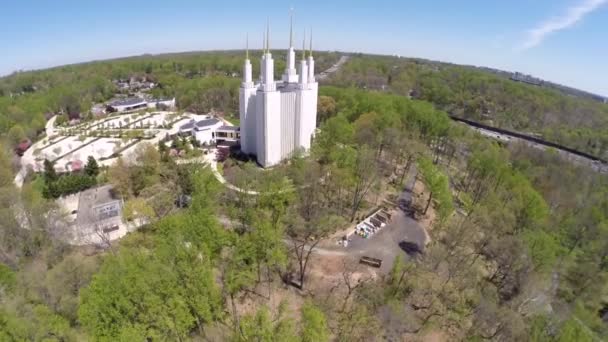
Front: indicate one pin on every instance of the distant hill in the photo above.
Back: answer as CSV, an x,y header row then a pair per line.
x,y
519,77
503,99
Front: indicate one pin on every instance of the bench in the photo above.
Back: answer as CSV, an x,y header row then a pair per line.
x,y
373,262
110,229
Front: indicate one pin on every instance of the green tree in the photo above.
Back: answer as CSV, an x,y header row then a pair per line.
x,y
543,248
438,186
120,177
264,328
573,330
65,280
138,209
314,324
191,263
50,175
326,107
135,290
34,323
16,134
91,168
7,280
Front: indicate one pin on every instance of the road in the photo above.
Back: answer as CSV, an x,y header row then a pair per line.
x,y
595,165
323,75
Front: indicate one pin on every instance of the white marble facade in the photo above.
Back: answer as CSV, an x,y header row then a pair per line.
x,y
278,117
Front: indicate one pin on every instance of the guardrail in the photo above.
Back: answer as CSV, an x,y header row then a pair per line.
x,y
528,138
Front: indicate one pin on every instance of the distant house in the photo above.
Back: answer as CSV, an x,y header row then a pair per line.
x,y
519,77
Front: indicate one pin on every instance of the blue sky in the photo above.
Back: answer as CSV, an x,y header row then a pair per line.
x,y
560,40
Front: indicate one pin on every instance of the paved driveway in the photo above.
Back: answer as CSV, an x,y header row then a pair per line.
x,y
401,236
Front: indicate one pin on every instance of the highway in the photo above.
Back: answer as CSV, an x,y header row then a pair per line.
x,y
576,158
323,75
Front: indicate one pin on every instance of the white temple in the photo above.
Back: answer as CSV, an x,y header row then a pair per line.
x,y
278,117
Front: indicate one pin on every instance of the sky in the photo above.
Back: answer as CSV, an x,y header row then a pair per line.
x,y
564,41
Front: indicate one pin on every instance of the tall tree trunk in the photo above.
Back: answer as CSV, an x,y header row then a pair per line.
x,y
235,315
428,203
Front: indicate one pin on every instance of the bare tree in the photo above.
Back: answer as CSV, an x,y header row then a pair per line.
x,y
305,236
364,172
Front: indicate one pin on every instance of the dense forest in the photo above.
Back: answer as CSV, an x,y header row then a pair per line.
x,y
518,246
482,96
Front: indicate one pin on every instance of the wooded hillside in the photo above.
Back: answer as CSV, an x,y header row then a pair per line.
x,y
482,96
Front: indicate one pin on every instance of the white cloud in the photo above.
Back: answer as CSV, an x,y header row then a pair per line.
x,y
572,16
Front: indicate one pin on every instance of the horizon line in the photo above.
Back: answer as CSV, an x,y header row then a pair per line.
x,y
109,59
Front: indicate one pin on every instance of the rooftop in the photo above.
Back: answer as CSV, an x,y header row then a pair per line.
x,y
207,122
228,128
91,200
127,102
199,124
162,99
188,125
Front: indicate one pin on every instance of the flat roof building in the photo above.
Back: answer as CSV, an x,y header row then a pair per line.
x,y
136,103
99,211
126,105
228,134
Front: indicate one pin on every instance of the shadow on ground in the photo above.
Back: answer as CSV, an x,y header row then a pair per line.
x,y
411,248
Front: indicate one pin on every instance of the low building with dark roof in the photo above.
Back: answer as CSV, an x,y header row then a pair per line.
x,y
127,105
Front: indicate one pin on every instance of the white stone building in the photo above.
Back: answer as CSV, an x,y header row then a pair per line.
x,y
278,117
136,103
209,131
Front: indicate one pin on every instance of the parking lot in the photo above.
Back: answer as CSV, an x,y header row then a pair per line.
x,y
401,236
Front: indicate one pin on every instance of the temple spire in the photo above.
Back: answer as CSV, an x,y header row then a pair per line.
x,y
310,46
304,46
291,29
268,35
247,46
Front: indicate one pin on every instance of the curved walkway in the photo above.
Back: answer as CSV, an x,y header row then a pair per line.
x,y
28,155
